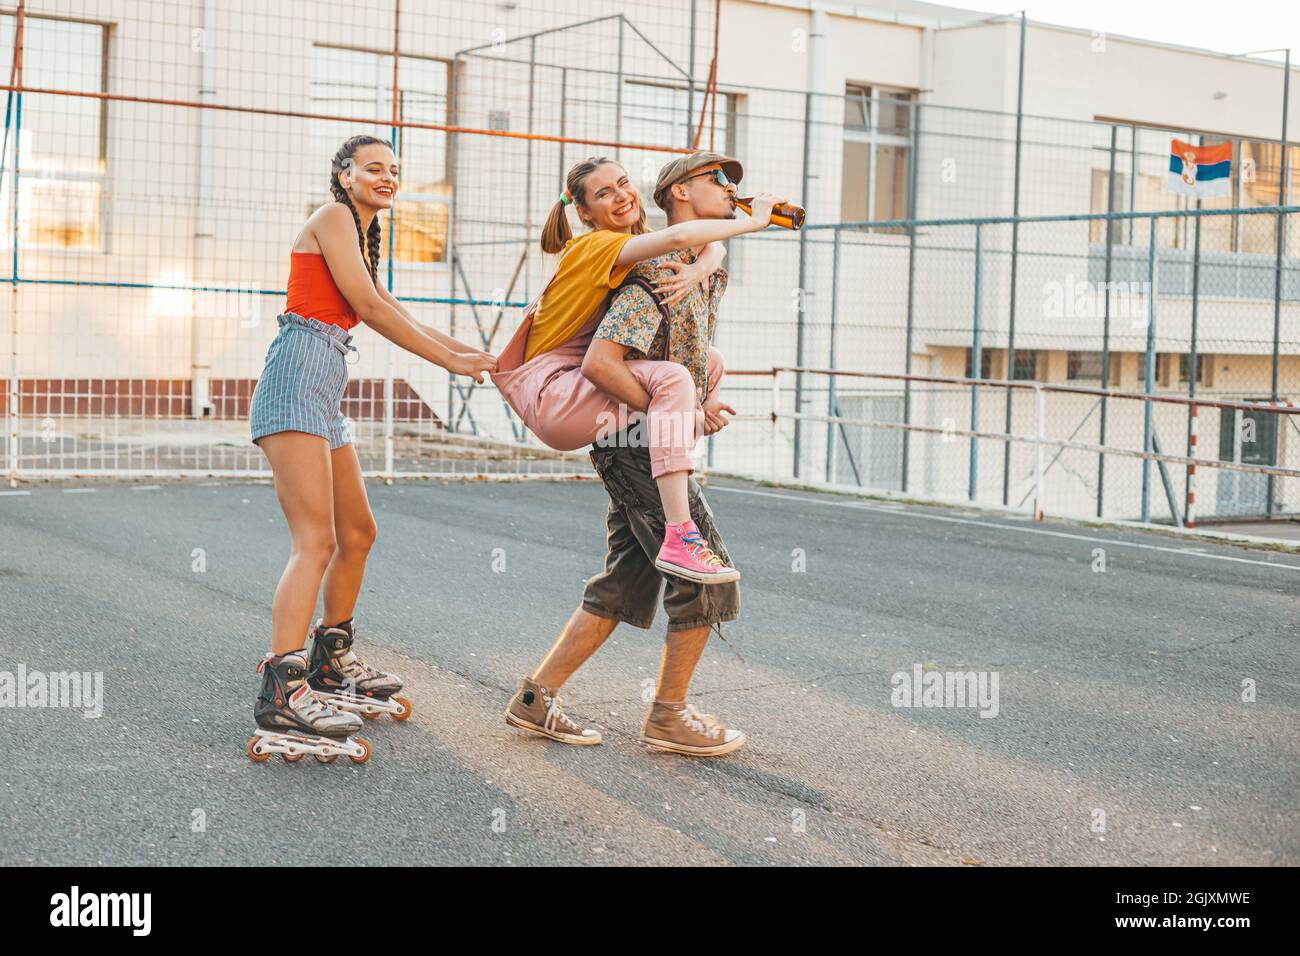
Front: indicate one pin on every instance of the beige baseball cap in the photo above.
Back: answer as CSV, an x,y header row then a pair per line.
x,y
684,165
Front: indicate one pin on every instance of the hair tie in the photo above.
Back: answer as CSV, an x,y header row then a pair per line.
x,y
566,198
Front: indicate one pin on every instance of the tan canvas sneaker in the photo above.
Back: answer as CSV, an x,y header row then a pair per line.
x,y
538,710
680,728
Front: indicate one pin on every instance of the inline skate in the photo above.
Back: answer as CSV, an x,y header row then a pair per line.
x,y
294,723
346,682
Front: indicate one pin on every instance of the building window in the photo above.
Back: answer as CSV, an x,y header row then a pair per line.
x,y
876,154
1247,436
1083,366
63,143
1025,367
348,82
1164,362
986,363
1102,200
1203,366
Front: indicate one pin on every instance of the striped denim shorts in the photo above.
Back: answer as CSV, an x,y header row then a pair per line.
x,y
302,384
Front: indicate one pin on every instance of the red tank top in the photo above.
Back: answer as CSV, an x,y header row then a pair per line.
x,y
313,294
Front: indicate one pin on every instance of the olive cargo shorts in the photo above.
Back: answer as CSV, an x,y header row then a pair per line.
x,y
628,589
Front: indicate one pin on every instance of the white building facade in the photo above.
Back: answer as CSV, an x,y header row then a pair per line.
x,y
147,249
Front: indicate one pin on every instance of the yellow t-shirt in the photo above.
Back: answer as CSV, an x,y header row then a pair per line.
x,y
582,280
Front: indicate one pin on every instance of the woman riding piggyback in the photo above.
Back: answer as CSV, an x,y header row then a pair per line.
x,y
540,372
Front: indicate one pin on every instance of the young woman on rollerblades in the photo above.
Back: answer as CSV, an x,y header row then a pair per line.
x,y
311,697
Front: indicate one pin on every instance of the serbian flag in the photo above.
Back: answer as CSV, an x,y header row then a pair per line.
x,y
1200,171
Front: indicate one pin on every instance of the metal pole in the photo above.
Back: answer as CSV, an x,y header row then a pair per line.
x,y
15,412
690,79
976,363
1163,467
618,97
204,230
11,406
392,228
911,284
1193,360
776,421
802,291
1039,414
1150,368
1132,178
1277,276
830,391
1191,469
1105,330
564,123
1015,245
453,146
528,177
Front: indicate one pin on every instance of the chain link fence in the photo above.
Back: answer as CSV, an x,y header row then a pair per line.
x,y
158,159
1114,314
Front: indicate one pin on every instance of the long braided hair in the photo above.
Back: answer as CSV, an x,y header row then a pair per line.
x,y
368,241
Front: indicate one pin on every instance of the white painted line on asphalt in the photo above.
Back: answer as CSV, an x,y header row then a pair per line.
x,y
11,493
78,491
861,505
145,487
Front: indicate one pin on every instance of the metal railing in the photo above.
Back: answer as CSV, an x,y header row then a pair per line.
x,y
946,288
1039,439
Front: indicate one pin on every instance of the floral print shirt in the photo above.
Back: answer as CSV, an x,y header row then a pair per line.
x,y
633,319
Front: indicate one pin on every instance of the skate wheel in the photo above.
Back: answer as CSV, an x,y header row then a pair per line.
x,y
292,758
407,709
253,754
365,751
330,759
368,715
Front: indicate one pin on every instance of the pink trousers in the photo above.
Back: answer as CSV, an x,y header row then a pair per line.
x,y
566,411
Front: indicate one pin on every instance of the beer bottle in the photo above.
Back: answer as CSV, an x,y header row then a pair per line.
x,y
786,215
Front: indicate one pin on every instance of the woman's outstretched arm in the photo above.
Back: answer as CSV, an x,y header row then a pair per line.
x,y
336,233
696,232
454,344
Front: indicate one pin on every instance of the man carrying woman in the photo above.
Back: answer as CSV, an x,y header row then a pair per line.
x,y
645,348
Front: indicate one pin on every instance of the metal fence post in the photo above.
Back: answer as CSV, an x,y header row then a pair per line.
x,y
1193,428
831,405
1015,249
453,149
392,229
911,285
1039,410
1277,278
14,411
776,420
618,95
1150,368
1193,360
1105,329
802,294
976,360
690,81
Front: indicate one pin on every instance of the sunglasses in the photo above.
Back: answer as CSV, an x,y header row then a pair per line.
x,y
718,175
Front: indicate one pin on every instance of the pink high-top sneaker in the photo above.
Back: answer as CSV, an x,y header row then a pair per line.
x,y
686,554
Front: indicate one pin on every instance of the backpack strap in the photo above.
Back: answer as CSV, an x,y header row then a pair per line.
x,y
655,297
